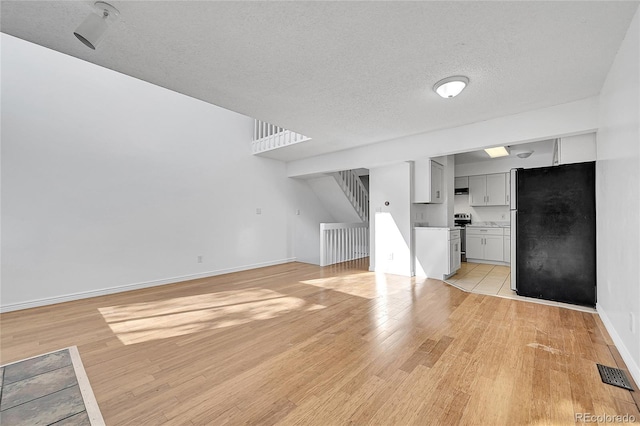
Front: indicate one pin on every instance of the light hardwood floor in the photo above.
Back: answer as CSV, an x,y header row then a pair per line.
x,y
300,344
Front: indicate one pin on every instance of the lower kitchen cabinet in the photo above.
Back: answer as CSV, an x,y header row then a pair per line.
x,y
437,252
475,246
485,244
454,254
493,247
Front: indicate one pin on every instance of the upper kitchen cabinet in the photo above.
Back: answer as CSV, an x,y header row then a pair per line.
x,y
576,149
488,190
428,182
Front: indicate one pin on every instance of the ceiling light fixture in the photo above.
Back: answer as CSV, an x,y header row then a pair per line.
x,y
94,27
499,151
451,86
524,154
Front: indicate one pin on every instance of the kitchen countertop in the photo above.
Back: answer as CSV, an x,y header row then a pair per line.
x,y
490,225
416,226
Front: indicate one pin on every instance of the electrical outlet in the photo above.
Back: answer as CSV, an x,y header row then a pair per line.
x,y
258,211
298,212
390,257
199,259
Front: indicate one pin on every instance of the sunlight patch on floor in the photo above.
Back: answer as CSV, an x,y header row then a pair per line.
x,y
351,284
142,322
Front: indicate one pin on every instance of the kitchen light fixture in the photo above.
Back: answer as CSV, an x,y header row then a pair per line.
x,y
499,151
451,86
93,28
524,154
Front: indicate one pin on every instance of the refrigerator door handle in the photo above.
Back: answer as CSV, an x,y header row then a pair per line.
x,y
513,189
514,255
513,206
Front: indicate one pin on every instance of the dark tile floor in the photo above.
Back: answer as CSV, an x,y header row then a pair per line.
x,y
41,391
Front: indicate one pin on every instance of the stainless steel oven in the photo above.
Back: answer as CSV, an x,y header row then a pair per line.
x,y
462,220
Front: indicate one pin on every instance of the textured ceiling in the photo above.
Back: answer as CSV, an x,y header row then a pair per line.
x,y
349,73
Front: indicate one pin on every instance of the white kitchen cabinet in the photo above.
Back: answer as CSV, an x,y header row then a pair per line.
x,y
488,190
428,182
577,149
475,246
477,190
437,252
485,244
494,248
454,255
496,184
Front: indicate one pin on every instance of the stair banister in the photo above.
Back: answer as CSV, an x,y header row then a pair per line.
x,y
267,137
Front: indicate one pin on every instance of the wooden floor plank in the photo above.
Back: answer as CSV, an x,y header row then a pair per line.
x,y
299,344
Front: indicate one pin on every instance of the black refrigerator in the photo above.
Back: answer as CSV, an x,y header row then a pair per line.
x,y
553,233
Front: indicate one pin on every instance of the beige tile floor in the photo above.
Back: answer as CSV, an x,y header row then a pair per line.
x,y
495,280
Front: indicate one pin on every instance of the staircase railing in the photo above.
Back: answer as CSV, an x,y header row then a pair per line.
x,y
341,242
268,136
355,191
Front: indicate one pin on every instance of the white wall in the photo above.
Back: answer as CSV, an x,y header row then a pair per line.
x,y
333,198
617,195
305,227
390,226
109,182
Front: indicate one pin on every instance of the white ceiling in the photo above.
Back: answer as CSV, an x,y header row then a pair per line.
x,y
537,148
349,73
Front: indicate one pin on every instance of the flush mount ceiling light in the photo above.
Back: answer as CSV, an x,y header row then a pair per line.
x,y
499,151
94,27
524,154
451,86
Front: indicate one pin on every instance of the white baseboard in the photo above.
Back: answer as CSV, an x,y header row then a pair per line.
x,y
488,262
135,286
632,366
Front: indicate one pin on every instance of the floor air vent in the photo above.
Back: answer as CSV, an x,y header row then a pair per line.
x,y
614,376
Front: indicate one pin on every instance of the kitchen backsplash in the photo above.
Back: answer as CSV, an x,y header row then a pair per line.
x,y
481,214
434,214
